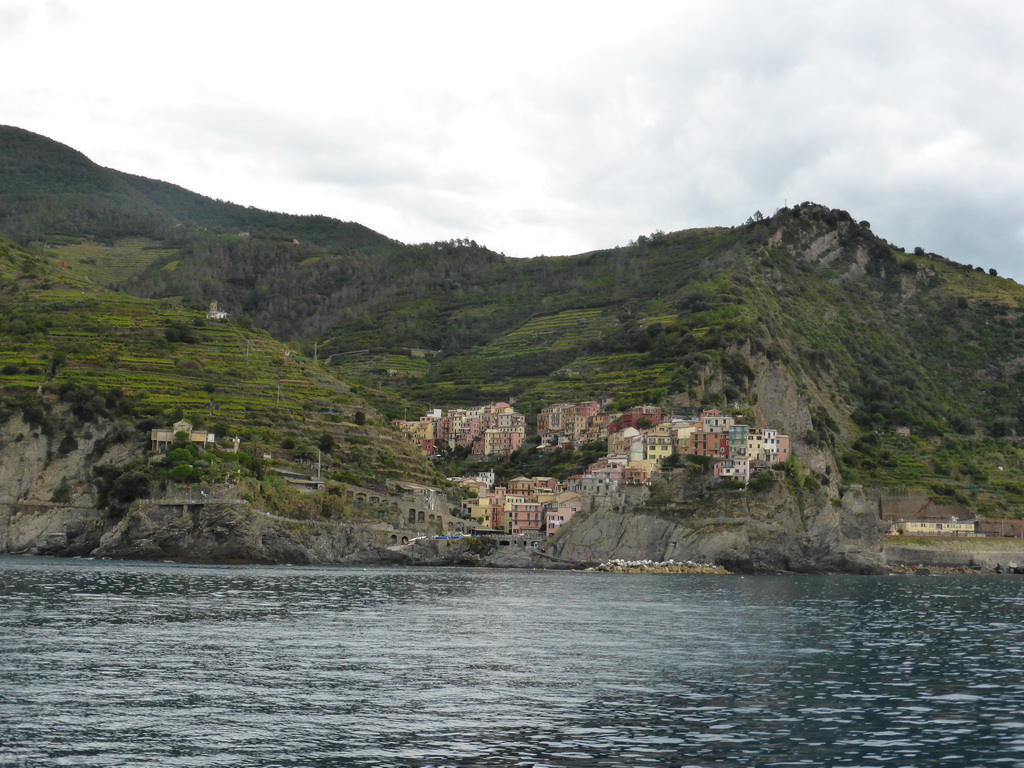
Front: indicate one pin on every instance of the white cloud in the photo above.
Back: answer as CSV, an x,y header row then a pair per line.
x,y
550,128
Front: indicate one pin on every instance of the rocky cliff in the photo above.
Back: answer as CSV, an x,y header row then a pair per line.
x,y
46,501
230,530
770,530
48,507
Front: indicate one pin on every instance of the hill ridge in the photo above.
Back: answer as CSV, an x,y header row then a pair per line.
x,y
861,335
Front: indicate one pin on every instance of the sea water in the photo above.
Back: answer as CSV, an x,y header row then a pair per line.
x,y
147,664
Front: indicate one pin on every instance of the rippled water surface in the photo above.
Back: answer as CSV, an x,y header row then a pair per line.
x,y
138,664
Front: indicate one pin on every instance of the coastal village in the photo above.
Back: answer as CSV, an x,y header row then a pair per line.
x,y
641,440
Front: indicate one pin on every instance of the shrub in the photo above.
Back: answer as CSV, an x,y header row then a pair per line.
x,y
118,486
761,481
67,444
178,456
183,473
62,492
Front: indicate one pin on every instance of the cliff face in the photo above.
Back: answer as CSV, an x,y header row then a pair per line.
x,y
771,530
50,529
34,474
232,531
37,519
32,467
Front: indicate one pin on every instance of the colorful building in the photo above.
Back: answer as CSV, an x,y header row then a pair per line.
x,y
733,469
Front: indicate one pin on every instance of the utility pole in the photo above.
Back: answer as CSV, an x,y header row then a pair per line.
x,y
316,358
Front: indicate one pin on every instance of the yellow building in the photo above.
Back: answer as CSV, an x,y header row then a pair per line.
x,y
657,447
950,527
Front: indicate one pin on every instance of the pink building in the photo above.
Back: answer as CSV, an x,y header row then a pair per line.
x,y
502,441
785,451
545,483
567,505
526,518
613,472
733,469
634,475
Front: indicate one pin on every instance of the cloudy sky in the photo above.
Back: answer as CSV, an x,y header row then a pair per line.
x,y
548,127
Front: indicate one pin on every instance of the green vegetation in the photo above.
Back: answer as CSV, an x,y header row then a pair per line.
x,y
76,359
871,337
530,462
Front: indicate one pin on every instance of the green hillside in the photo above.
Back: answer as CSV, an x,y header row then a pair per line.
x,y
74,355
49,191
804,318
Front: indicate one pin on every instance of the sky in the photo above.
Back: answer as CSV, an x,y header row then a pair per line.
x,y
548,127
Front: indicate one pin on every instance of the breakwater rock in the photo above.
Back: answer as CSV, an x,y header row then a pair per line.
x,y
647,566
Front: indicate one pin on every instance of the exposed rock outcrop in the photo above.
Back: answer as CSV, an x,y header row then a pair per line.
x,y
32,466
46,501
999,555
50,529
770,530
234,532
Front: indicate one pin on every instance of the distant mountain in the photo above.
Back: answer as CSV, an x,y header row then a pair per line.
x,y
805,319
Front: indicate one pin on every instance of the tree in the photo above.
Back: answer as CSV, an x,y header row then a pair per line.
x,y
119,486
326,442
303,451
178,456
183,473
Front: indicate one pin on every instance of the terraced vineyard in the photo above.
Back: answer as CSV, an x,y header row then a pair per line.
x,y
63,337
393,365
566,330
984,474
109,264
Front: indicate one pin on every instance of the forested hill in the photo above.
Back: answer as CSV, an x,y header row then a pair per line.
x,y
805,319
48,189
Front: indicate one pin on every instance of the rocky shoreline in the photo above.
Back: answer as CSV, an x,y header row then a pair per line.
x,y
936,570
649,566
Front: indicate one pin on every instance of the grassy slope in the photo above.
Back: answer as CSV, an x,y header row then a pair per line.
x,y
215,373
874,337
